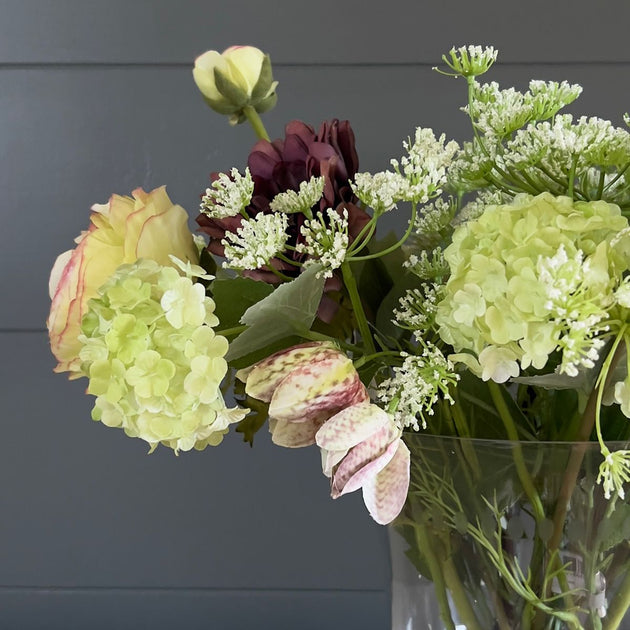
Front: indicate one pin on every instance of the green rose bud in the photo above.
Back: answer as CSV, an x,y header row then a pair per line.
x,y
239,77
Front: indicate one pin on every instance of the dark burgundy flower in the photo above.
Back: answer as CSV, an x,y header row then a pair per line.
x,y
282,165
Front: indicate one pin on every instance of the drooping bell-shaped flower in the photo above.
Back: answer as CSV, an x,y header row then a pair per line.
x,y
304,386
362,448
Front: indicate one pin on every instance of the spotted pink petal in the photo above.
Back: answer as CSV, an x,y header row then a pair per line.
x,y
294,434
351,426
327,383
364,461
330,459
384,494
263,378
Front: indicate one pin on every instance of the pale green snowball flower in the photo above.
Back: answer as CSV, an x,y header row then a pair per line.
x,y
531,277
154,362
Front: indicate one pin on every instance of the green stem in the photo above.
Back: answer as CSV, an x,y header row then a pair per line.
x,y
254,120
364,236
370,357
572,176
578,450
357,307
427,549
519,461
618,606
458,594
396,245
227,332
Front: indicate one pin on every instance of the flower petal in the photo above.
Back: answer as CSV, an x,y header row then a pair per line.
x,y
351,426
263,378
326,383
384,494
294,434
364,461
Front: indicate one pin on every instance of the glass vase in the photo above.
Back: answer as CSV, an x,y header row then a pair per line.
x,y
499,535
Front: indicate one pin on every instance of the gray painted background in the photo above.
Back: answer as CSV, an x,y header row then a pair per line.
x,y
96,97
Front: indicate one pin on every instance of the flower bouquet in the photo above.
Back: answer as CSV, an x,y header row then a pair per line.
x,y
471,376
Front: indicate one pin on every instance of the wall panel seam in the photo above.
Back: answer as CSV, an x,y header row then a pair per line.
x,y
183,589
402,64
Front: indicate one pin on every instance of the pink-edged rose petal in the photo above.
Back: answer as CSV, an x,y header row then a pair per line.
x,y
384,494
294,434
351,426
263,378
327,383
363,461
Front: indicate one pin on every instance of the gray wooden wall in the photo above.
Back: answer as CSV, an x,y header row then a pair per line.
x,y
96,97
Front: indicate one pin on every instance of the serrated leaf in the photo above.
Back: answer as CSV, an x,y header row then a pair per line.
x,y
289,310
233,296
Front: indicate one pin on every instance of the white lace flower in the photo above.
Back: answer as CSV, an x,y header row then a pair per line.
x,y
417,385
424,166
229,195
325,242
256,241
380,191
303,200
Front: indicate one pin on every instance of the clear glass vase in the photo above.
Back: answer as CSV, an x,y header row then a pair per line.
x,y
499,535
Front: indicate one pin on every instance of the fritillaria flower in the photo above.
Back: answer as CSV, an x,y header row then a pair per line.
x,y
315,396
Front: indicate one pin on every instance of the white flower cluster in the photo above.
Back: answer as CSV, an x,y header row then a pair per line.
x,y
577,315
470,61
325,241
424,166
474,208
555,145
498,113
470,168
614,471
381,191
435,217
256,241
229,195
303,200
417,308
417,385
426,267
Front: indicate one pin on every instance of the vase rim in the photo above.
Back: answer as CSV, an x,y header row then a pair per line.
x,y
611,444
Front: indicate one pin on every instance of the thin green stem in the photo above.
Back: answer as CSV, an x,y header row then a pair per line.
x,y
371,357
228,332
254,120
395,246
364,328
519,461
572,176
287,260
364,236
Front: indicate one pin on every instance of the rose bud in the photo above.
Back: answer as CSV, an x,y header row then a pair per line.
x,y
239,77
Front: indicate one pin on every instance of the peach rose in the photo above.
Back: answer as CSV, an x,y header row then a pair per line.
x,y
146,225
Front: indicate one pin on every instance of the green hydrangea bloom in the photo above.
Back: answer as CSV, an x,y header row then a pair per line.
x,y
531,277
153,359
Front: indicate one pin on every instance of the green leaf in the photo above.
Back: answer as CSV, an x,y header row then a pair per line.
x,y
233,296
289,310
